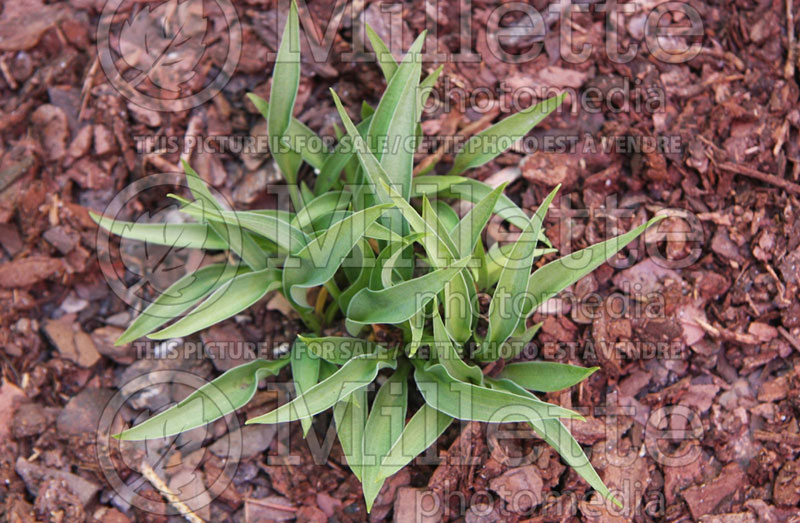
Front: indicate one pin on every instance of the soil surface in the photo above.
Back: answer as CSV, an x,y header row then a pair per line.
x,y
694,412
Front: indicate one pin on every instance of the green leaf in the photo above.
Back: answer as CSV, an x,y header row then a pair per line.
x,y
467,232
395,119
469,190
320,207
505,312
446,354
176,235
322,257
514,346
446,214
545,376
270,224
367,258
557,436
338,159
385,59
282,95
416,325
384,426
399,303
481,273
475,403
305,372
441,251
351,418
299,137
386,265
210,402
355,374
178,298
366,111
483,147
426,88
560,274
232,234
421,431
228,300
339,350
369,163
499,256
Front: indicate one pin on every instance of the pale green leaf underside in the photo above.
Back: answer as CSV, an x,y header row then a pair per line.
x,y
213,400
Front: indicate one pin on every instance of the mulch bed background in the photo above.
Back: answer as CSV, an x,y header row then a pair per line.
x,y
726,387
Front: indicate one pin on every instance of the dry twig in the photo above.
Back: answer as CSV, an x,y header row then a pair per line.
x,y
764,177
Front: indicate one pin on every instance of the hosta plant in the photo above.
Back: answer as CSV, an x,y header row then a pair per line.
x,y
366,244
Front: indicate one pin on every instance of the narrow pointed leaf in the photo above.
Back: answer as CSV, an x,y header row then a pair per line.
x,y
483,147
210,402
228,300
421,431
546,376
298,136
505,311
470,190
351,418
322,257
285,81
560,274
320,207
395,119
475,403
385,59
270,224
399,303
337,160
177,235
556,434
178,298
238,241
384,426
467,232
369,163
447,356
305,373
355,374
